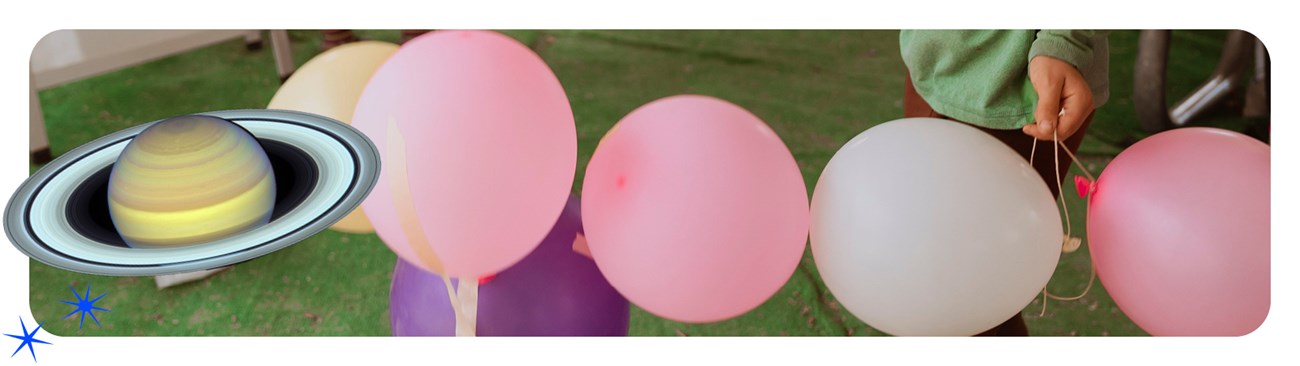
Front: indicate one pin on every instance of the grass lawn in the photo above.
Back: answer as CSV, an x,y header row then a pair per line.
x,y
817,89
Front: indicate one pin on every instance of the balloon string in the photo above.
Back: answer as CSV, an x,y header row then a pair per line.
x,y
1032,149
1060,192
1092,276
1092,268
467,294
1077,163
455,304
416,238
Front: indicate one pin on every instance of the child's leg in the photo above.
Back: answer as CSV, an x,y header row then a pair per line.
x,y
915,106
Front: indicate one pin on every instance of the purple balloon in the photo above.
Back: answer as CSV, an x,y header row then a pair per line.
x,y
554,291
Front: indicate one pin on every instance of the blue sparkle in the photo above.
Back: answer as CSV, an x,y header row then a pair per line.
x,y
28,339
85,305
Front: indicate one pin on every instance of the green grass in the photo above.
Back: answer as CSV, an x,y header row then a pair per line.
x,y
817,89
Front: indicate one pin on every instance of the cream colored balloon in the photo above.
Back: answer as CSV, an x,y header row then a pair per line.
x,y
930,227
330,85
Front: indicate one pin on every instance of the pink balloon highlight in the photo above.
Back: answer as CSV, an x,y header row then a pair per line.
x,y
491,149
1179,227
694,209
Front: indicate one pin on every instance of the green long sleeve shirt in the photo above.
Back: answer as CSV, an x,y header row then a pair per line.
x,y
982,76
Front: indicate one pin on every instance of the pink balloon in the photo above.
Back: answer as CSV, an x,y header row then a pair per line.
x,y
481,131
694,209
1179,227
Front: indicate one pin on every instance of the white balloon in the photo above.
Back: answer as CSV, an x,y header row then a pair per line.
x,y
924,226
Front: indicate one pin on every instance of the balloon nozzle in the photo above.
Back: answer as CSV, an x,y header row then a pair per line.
x,y
1083,186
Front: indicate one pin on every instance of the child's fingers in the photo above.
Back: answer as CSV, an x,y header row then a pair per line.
x,y
1070,121
1042,129
1078,103
1049,102
1048,110
1032,130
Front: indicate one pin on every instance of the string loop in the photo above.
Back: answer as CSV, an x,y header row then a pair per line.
x,y
1067,238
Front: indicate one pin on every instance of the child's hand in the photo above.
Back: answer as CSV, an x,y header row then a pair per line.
x,y
1064,98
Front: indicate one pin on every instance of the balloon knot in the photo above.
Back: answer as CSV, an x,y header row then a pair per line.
x,y
1069,244
1083,185
485,279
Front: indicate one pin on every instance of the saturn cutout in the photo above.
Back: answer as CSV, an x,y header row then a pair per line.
x,y
192,192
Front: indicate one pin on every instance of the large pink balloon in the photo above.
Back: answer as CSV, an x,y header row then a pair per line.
x,y
479,151
694,209
1179,227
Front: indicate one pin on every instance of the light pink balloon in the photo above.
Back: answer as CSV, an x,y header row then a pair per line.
x,y
490,149
694,209
1179,227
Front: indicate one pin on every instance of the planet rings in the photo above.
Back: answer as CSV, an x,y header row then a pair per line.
x,y
343,167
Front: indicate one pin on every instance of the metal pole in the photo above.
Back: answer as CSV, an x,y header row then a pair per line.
x,y
37,141
283,51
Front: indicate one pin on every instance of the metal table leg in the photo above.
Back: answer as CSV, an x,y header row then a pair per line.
x,y
1149,80
283,50
37,141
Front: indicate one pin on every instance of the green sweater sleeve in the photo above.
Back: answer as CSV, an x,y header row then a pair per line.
x,y
982,76
1072,46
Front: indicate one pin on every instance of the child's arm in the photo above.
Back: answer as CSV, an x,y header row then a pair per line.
x,y
1064,97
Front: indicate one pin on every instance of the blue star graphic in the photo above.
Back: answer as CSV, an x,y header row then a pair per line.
x,y
85,305
28,339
